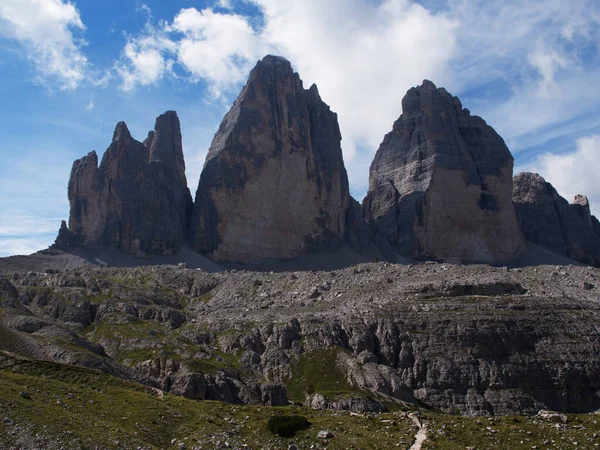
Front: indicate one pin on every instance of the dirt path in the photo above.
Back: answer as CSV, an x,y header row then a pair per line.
x,y
421,435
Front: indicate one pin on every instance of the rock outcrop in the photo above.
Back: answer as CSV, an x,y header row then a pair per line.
x,y
274,184
547,219
440,185
64,240
137,200
476,340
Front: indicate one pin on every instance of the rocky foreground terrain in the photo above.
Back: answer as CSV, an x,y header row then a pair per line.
x,y
472,340
468,340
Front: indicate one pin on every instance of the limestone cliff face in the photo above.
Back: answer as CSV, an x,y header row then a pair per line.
x,y
440,185
548,220
137,200
274,183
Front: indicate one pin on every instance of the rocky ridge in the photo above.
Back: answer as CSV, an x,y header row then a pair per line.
x,y
548,220
274,188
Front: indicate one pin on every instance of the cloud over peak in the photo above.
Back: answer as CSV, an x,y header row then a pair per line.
x,y
350,48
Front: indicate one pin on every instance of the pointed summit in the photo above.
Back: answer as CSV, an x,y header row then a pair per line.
x,y
274,184
273,61
121,132
166,143
273,70
440,185
426,85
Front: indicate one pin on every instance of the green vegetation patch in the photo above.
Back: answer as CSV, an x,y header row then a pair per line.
x,y
80,408
134,329
317,372
218,360
206,298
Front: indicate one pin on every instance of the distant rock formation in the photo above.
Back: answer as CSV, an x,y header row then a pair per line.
x,y
137,201
548,220
274,184
440,185
64,240
274,187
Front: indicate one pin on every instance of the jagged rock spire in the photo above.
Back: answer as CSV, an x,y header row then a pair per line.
x,y
137,200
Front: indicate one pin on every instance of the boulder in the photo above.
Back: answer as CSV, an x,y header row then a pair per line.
x,y
273,394
137,200
548,220
440,185
274,184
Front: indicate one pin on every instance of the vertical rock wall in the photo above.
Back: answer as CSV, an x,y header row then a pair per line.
x,y
274,184
137,200
548,220
440,185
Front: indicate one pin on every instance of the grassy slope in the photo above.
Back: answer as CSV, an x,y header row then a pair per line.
x,y
512,432
81,408
317,372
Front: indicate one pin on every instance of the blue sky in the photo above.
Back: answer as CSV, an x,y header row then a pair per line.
x,y
71,70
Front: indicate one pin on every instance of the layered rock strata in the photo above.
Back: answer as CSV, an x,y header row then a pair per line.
x,y
548,220
274,184
476,340
137,200
440,185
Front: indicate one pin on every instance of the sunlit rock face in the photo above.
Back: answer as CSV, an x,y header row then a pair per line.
x,y
440,186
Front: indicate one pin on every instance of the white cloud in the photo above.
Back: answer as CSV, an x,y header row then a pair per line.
x,y
102,81
90,106
145,59
217,47
45,29
225,4
24,245
573,173
547,61
350,48
528,118
144,9
534,50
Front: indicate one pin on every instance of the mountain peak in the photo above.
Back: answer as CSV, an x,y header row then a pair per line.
x,y
277,154
274,60
121,132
